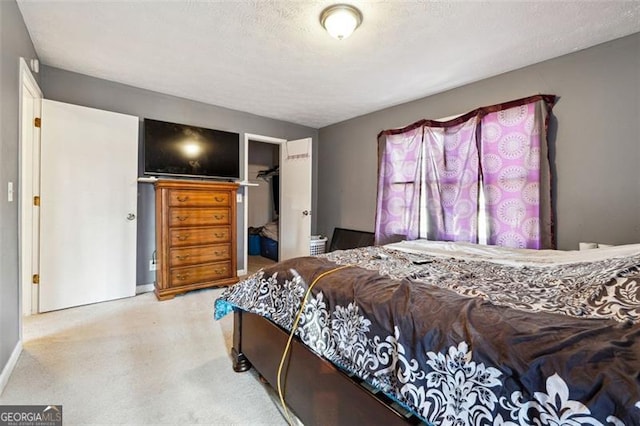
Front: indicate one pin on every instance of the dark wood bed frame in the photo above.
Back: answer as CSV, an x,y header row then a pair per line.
x,y
315,390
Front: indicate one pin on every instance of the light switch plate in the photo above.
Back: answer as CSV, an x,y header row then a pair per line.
x,y
10,192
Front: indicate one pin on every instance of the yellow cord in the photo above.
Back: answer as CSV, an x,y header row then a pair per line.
x,y
293,331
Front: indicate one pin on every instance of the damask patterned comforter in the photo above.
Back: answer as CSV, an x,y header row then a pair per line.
x,y
480,338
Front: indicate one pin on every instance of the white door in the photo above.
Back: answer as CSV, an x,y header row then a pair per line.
x,y
295,198
89,162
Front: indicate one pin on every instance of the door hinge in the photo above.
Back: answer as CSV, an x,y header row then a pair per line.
x,y
36,200
36,279
37,121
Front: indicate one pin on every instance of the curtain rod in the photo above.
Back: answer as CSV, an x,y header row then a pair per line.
x,y
550,100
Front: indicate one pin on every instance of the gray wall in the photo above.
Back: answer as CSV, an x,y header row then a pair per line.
x,y
14,43
264,153
65,86
597,143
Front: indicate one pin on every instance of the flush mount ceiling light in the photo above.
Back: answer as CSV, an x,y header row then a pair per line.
x,y
340,20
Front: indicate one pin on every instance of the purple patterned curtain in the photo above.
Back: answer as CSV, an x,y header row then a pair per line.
x,y
516,177
451,181
399,181
433,183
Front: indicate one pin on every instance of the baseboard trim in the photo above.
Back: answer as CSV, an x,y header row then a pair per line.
x,y
11,364
144,288
241,272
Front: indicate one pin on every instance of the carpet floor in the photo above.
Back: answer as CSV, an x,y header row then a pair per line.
x,y
139,361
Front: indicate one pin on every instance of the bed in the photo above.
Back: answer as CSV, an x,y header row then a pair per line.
x,y
448,334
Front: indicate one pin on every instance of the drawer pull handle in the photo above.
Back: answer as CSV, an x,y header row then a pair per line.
x,y
219,216
219,199
182,277
220,271
183,257
183,237
182,199
220,253
182,218
219,235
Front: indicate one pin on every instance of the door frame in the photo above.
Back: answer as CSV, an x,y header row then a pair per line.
x,y
245,182
28,295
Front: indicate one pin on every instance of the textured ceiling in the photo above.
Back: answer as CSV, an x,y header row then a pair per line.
x,y
272,58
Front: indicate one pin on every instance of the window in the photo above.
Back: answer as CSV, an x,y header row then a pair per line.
x,y
482,177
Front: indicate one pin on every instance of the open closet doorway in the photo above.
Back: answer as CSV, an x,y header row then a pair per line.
x,y
294,193
263,204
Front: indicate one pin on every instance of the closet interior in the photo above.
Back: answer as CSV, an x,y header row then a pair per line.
x,y
263,204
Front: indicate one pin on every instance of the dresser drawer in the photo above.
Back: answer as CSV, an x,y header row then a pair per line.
x,y
198,217
191,198
200,273
180,237
201,254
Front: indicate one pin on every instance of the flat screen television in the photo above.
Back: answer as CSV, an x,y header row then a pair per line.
x,y
172,149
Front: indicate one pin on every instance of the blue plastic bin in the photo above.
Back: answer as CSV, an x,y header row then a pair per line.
x,y
254,245
269,248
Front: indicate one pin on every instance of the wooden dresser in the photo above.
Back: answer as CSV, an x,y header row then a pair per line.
x,y
195,236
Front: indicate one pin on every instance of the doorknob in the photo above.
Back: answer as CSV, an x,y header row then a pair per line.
x,y
306,212
131,216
